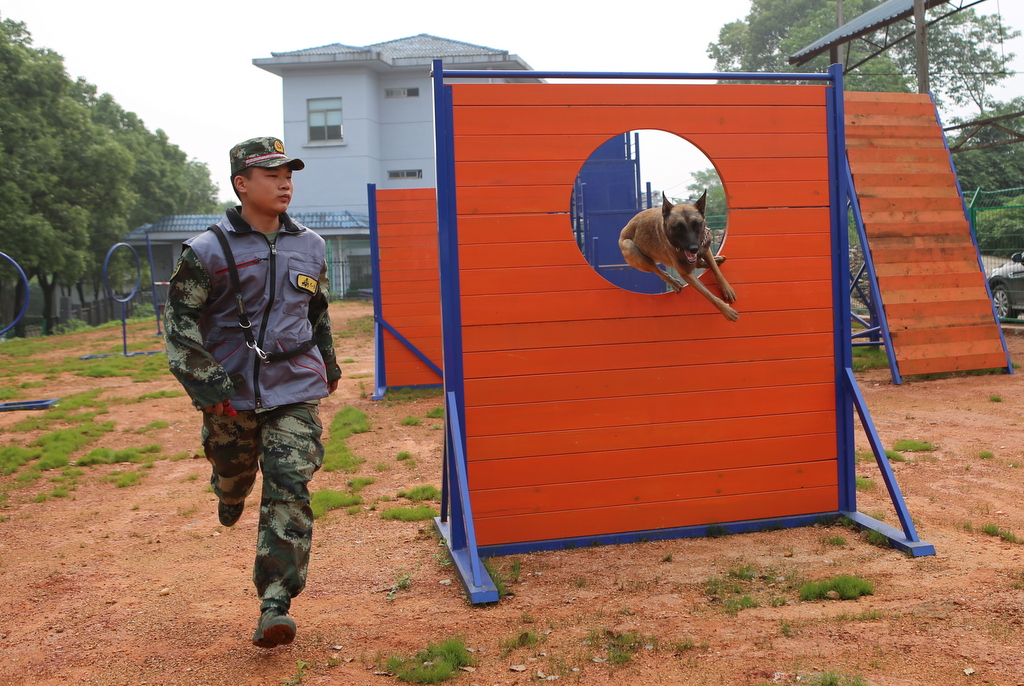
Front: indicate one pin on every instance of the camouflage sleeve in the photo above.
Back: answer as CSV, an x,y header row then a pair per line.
x,y
321,322
206,382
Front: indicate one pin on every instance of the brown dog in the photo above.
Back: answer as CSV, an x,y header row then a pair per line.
x,y
677,236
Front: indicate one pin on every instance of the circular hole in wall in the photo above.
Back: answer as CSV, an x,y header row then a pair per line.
x,y
628,174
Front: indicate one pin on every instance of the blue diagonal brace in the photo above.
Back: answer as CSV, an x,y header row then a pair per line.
x,y
412,348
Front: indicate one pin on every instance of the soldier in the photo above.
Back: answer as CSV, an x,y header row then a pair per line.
x,y
258,381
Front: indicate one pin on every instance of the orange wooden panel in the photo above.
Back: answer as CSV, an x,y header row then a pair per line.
x,y
646,354
961,239
556,445
404,368
954,364
425,298
917,322
966,348
948,334
651,461
852,98
918,282
761,169
418,221
868,180
485,389
964,265
669,487
924,296
636,95
574,306
904,192
608,122
910,115
949,203
918,229
896,144
564,253
588,522
921,132
634,330
578,147
389,206
413,253
508,420
936,309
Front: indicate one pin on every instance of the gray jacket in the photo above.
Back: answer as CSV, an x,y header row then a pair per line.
x,y
277,283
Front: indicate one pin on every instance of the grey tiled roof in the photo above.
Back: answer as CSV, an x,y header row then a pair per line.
x,y
194,223
422,45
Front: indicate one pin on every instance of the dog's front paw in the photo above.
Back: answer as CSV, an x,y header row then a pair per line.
x,y
728,294
730,314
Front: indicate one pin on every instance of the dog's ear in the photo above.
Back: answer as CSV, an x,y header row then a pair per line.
x,y
702,203
666,205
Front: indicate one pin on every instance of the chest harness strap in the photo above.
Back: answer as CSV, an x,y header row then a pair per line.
x,y
243,318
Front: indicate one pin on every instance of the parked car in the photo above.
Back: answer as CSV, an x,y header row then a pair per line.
x,y
1007,285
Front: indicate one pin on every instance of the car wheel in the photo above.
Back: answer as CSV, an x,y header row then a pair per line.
x,y
1001,299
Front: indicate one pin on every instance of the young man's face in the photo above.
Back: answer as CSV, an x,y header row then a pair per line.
x,y
269,191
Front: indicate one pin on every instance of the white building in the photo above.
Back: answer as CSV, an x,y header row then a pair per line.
x,y
364,114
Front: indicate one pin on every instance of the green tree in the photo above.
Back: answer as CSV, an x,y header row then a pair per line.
x,y
963,49
995,167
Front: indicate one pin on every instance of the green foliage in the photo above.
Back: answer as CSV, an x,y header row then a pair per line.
x,y
998,532
424,492
525,639
57,446
359,483
400,396
847,587
325,500
14,456
986,454
836,679
865,483
438,662
337,455
108,456
409,514
894,456
436,413
411,421
869,357
996,398
156,395
403,455
732,606
619,646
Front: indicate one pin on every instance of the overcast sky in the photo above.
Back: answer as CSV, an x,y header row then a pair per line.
x,y
186,66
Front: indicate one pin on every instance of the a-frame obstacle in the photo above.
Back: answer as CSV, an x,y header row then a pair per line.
x,y
931,284
580,413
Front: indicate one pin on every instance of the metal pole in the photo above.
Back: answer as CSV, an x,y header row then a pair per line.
x,y
921,47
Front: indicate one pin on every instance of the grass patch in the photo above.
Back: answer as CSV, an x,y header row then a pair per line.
x,y
153,426
909,445
995,398
526,639
409,514
410,421
325,500
869,357
337,456
845,588
359,483
986,454
894,456
438,662
424,492
357,326
156,395
436,413
620,646
865,483
732,606
404,455
837,541
400,396
994,530
123,479
836,679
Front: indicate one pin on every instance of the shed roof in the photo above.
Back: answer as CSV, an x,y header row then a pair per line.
x,y
421,45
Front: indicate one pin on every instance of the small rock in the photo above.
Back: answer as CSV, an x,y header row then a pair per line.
x,y
541,675
600,659
832,595
788,553
59,630
445,582
517,668
349,659
969,671
468,669
337,647
164,591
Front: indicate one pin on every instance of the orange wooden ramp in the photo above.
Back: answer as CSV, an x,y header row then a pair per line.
x,y
931,285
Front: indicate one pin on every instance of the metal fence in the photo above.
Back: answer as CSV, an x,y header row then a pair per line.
x,y
997,219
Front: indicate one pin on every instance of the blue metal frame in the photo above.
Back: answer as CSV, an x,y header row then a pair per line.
x,y
974,240
456,520
24,305
380,325
879,324
28,404
152,278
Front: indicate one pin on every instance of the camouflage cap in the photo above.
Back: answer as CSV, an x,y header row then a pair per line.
x,y
262,152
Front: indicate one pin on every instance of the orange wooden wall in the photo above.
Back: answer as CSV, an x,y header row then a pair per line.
x,y
594,410
410,298
932,287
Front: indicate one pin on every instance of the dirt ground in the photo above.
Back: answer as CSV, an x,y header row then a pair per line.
x,y
140,584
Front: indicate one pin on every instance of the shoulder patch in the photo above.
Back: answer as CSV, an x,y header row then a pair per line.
x,y
306,283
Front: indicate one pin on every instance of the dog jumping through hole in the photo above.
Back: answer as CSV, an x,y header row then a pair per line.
x,y
678,237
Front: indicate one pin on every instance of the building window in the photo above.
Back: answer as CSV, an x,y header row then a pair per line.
x,y
324,119
401,92
405,174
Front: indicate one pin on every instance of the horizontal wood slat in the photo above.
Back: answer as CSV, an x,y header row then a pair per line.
x,y
636,95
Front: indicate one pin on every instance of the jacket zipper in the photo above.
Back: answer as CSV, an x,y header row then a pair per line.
x,y
263,323
241,265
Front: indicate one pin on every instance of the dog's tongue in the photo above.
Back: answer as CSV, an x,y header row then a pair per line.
x,y
691,257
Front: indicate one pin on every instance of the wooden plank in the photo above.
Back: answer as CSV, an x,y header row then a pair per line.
x,y
611,121
966,348
868,180
663,488
611,304
537,527
486,389
949,202
908,115
637,95
901,193
852,98
646,410
670,435
646,354
954,364
922,296
973,279
930,321
941,240
888,160
504,336
938,309
718,146
649,461
905,132
402,276
953,334
955,254
966,264
919,229
868,142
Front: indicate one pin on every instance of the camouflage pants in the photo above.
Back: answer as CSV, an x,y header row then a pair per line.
x,y
284,444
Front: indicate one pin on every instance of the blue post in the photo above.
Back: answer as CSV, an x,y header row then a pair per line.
x,y
152,278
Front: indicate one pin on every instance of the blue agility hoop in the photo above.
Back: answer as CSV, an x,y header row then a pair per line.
x,y
24,304
135,289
